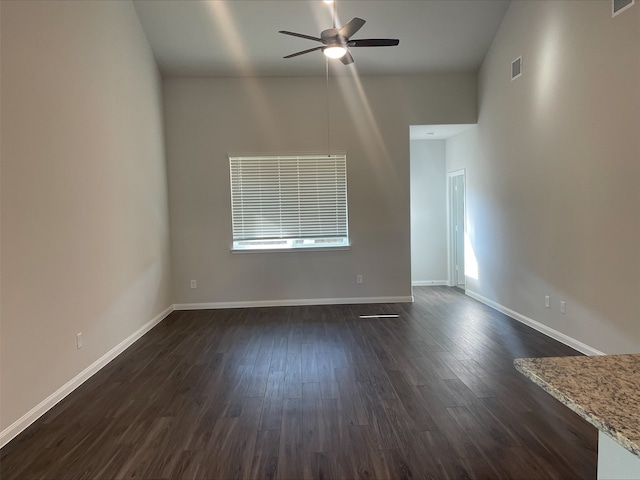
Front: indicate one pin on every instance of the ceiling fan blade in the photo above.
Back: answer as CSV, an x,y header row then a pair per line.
x,y
303,52
301,35
347,58
352,27
374,42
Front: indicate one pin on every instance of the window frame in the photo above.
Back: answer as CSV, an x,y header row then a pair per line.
x,y
269,244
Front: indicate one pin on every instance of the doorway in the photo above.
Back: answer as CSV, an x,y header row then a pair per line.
x,y
456,223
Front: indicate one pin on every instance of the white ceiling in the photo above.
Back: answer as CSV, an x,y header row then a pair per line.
x,y
227,38
436,132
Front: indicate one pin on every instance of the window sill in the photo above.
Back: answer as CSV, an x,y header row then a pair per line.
x,y
289,250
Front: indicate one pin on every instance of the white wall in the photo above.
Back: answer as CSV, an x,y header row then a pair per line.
x,y
462,151
553,197
85,234
428,212
208,118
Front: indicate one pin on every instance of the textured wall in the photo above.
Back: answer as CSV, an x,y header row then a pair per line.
x,y
553,198
370,117
85,233
428,211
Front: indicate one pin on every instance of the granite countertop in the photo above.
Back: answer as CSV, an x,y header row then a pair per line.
x,y
604,390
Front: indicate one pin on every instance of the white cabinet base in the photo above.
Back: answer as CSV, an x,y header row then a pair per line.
x,y
615,462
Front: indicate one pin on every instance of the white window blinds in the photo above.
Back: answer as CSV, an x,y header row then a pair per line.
x,y
289,201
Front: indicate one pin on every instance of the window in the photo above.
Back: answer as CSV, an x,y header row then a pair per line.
x,y
289,202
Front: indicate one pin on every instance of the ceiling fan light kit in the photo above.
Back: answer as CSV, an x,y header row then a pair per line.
x,y
335,51
337,41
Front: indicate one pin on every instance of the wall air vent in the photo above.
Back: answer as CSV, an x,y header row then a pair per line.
x,y
619,6
516,68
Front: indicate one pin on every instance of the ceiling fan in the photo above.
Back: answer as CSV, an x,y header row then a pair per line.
x,y
337,41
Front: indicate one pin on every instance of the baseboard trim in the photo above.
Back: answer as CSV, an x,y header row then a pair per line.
x,y
48,403
548,331
429,283
291,303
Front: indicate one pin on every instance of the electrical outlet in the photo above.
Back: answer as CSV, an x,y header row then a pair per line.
x,y
563,307
79,340
547,301
359,279
194,284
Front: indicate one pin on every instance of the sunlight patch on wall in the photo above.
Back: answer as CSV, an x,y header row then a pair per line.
x,y
547,69
259,101
368,129
470,260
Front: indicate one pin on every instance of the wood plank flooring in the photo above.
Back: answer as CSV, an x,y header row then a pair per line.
x,y
316,392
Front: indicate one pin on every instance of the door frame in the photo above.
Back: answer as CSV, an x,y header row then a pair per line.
x,y
450,237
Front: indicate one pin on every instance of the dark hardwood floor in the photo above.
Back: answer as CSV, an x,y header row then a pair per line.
x,y
316,392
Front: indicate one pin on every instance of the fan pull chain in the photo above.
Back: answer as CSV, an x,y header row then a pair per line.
x,y
328,115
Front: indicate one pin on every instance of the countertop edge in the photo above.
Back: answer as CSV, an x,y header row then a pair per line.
x,y
610,431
